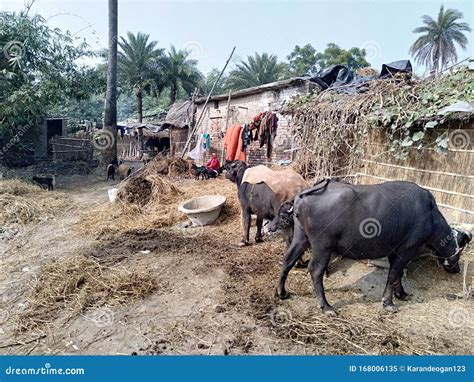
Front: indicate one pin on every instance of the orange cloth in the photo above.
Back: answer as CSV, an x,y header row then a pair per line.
x,y
284,183
233,144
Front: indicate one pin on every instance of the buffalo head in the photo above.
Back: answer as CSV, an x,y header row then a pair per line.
x,y
284,218
233,169
454,244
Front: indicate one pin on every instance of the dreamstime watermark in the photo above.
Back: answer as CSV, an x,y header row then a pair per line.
x,y
370,228
13,50
16,138
372,50
194,48
280,317
102,317
458,317
104,140
459,139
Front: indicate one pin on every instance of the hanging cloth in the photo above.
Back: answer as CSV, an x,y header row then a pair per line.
x,y
198,152
206,141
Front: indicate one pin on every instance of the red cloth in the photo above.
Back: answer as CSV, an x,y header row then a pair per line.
x,y
233,144
213,164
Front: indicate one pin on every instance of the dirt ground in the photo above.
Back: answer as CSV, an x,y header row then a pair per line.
x,y
212,297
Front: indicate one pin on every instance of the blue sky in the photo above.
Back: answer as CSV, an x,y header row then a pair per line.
x,y
211,28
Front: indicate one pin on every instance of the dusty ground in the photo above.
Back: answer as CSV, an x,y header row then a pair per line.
x,y
215,298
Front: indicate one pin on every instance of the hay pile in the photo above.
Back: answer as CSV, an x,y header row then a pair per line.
x,y
79,283
173,167
22,203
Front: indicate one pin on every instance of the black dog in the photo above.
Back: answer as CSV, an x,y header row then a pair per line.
x,y
111,171
213,173
200,171
45,181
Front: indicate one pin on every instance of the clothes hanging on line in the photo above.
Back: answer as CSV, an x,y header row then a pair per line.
x,y
233,143
265,125
206,141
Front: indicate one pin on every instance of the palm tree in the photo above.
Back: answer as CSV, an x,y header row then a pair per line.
x,y
179,72
109,152
436,47
139,61
258,70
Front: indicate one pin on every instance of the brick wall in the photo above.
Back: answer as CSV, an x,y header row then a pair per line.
x,y
242,110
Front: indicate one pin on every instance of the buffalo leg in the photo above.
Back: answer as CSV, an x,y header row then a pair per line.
x,y
398,290
258,236
317,266
397,264
292,255
246,226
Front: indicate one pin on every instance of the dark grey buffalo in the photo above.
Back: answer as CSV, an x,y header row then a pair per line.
x,y
393,219
259,199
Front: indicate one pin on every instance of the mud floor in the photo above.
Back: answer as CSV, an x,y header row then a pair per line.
x,y
212,297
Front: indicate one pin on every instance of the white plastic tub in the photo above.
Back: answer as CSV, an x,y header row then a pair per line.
x,y
112,194
203,210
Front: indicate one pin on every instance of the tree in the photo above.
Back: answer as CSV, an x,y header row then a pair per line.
x,y
209,80
179,73
257,70
354,58
303,61
436,48
139,63
109,144
38,68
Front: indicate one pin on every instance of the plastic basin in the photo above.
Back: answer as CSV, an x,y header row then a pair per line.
x,y
203,210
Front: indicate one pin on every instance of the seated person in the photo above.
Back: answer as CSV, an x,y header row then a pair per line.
x,y
213,163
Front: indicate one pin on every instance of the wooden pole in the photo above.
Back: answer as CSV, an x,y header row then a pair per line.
x,y
194,130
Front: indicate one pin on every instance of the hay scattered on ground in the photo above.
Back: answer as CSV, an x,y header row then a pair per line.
x,y
22,203
78,283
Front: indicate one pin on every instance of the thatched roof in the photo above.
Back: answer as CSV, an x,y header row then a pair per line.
x,y
179,116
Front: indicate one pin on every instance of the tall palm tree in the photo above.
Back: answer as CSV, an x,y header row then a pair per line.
x,y
179,72
138,61
258,70
436,47
109,152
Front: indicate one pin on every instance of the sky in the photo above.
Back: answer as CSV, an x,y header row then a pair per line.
x,y
211,28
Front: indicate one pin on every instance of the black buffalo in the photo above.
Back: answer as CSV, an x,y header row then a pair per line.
x,y
160,144
256,199
393,219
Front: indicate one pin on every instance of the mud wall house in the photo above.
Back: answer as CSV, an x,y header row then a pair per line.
x,y
220,114
179,121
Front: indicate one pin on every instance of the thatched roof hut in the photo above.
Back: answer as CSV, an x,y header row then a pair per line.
x,y
180,115
179,119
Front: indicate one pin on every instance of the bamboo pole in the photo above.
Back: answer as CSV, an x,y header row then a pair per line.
x,y
188,141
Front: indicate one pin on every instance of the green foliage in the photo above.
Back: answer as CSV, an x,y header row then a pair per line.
x,y
303,61
436,48
38,70
221,87
354,58
257,70
179,72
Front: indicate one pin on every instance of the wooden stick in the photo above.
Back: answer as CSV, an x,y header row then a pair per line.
x,y
188,141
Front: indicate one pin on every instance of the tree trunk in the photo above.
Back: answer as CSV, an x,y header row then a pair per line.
x,y
109,148
173,93
139,99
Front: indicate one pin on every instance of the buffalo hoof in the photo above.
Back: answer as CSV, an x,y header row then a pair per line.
x,y
302,264
329,311
243,243
259,240
282,295
403,296
390,308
